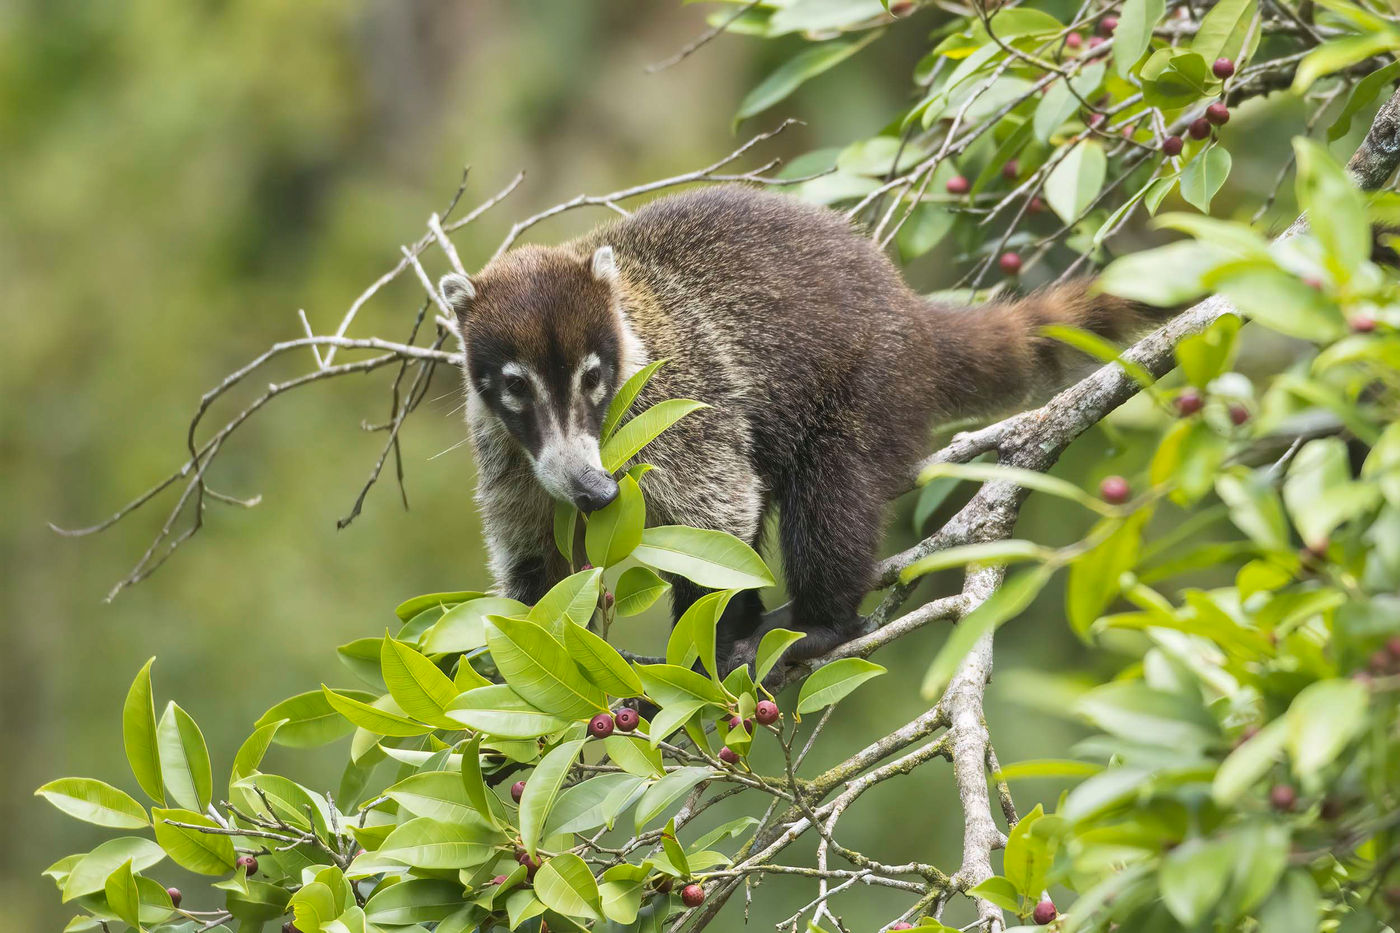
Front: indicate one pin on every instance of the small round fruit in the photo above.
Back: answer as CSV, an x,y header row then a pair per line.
x,y
664,885
1107,25
1392,645
248,863
1363,324
1218,114
766,712
1074,40
1044,912
1283,797
1172,145
532,865
1096,120
499,879
1115,490
1010,263
1010,170
1380,662
901,7
958,184
902,925
290,927
517,790
735,722
728,755
1036,205
609,599
175,896
1095,41
1223,68
692,895
1199,129
601,726
626,719
585,567
1238,414
1189,402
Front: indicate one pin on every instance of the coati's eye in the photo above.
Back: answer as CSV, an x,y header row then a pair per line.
x,y
591,377
516,385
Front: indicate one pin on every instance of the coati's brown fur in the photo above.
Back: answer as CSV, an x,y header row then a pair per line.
x,y
823,370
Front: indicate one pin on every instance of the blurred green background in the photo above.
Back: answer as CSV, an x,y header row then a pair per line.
x,y
176,180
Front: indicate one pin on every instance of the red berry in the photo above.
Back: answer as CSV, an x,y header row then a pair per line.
x,y
1392,896
1095,41
1238,415
499,879
1172,145
290,927
735,722
1189,402
958,184
1074,40
901,7
1363,324
1218,114
1115,490
532,865
601,726
1223,68
901,925
1199,129
1283,797
175,896
586,567
517,790
728,755
664,885
609,599
1036,205
1380,662
766,712
626,719
1107,25
1044,912
1392,644
1010,170
1096,120
1010,263
247,862
1313,282
692,895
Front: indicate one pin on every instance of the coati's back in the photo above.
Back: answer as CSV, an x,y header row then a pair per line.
x,y
788,312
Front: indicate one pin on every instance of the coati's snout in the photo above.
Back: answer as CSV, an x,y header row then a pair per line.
x,y
544,338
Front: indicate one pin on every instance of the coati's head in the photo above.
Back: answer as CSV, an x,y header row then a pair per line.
x,y
546,349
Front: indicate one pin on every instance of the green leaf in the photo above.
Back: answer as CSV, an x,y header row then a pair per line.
x,y
600,662
793,73
830,683
669,684
565,523
616,529
1204,176
1030,479
409,608
309,720
123,896
139,734
1062,100
95,802
1362,94
1320,467
1165,276
463,628
987,552
1006,603
1248,763
89,873
998,891
425,843
499,711
771,648
1194,876
621,403
566,885
417,901
642,429
250,753
1294,907
1336,54
538,668
416,684
667,792
1206,355
697,628
1094,576
1322,721
184,759
1223,31
1132,37
581,808
205,853
573,599
713,559
440,796
371,716
542,789
637,589
1075,182
1132,709
312,906
634,756
1336,208
1093,345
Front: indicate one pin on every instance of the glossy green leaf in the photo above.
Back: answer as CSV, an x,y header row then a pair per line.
x,y
1075,182
500,712
832,682
1203,177
95,802
771,648
712,559
123,896
1322,720
373,717
1006,603
637,589
539,669
463,628
615,530
139,735
566,885
668,792
793,73
573,599
205,853
426,843
988,552
642,429
600,662
542,789
417,686
184,759
89,874
1134,32
417,901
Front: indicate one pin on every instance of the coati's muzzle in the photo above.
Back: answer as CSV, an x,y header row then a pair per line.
x,y
570,470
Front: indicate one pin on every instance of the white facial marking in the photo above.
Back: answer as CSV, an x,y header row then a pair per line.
x,y
513,400
588,380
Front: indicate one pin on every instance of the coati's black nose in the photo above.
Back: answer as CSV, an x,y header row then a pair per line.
x,y
593,490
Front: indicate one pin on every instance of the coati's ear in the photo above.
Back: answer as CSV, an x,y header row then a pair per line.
x,y
458,291
604,265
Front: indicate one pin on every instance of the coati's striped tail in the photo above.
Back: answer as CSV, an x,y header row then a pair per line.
x,y
997,358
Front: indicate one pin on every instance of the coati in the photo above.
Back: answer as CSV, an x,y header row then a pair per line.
x,y
823,370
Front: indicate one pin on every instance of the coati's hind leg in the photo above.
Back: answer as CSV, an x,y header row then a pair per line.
x,y
830,520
